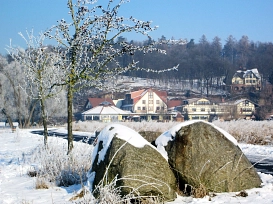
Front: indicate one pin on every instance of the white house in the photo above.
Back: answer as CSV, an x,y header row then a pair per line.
x,y
105,112
149,104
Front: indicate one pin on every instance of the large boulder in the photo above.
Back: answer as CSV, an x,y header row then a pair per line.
x,y
204,155
124,156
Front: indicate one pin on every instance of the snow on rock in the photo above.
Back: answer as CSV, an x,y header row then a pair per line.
x,y
169,135
120,131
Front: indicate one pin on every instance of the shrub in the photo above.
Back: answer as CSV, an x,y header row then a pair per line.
x,y
247,131
58,168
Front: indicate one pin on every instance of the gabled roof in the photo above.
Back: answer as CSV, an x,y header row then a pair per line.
x,y
174,103
239,74
242,74
162,94
137,95
192,100
242,100
254,71
105,110
97,101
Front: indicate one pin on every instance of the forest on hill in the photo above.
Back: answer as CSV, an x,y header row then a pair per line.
x,y
204,60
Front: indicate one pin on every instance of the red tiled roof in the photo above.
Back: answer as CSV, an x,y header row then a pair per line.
x,y
135,94
162,95
96,101
174,103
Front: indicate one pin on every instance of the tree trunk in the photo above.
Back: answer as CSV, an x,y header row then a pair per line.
x,y
69,117
44,118
8,118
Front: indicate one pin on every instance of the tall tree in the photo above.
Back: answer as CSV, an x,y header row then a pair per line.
x,y
41,69
243,51
90,53
229,50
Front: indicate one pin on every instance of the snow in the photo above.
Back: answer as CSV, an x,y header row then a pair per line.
x,y
122,132
16,187
169,135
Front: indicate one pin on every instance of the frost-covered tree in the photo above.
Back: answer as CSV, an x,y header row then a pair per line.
x,y
90,46
41,71
16,103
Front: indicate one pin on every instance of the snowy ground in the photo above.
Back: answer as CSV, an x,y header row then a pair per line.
x,y
17,187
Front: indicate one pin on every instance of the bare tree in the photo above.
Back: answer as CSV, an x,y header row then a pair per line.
x,y
41,70
90,49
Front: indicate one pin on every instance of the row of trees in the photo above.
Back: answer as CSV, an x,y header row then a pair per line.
x,y
204,60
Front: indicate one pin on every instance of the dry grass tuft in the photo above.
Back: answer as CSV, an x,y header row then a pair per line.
x,y
80,195
200,192
41,183
242,194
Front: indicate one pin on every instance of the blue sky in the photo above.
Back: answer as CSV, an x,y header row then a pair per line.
x,y
185,19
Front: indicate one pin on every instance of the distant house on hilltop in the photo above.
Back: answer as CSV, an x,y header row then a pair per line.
x,y
248,80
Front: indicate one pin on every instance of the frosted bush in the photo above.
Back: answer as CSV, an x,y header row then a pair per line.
x,y
92,126
58,168
247,131
244,131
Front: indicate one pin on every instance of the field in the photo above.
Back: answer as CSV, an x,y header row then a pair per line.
x,y
244,131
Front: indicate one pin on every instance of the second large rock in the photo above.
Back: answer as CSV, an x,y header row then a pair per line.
x,y
203,155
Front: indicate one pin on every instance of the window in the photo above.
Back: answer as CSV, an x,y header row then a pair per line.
x,y
151,101
143,108
150,108
143,101
203,102
193,109
138,108
96,118
195,117
150,94
246,109
157,108
157,101
203,109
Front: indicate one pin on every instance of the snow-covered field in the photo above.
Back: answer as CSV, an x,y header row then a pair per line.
x,y
16,186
